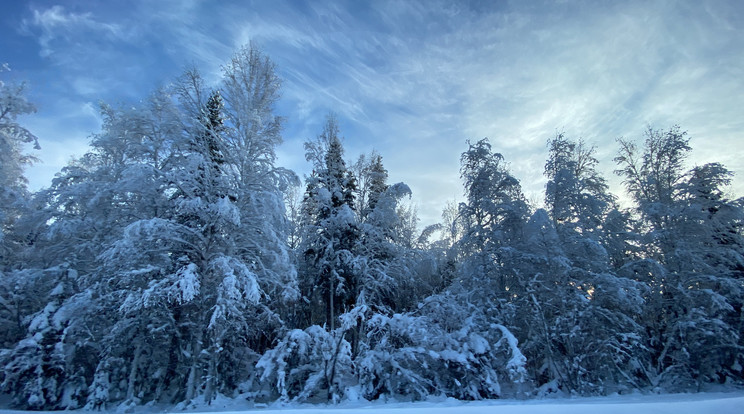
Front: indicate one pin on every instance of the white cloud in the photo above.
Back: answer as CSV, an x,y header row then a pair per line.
x,y
601,77
56,22
416,79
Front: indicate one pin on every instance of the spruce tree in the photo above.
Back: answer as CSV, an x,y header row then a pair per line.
x,y
330,232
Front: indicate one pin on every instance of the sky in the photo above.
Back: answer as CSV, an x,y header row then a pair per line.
x,y
413,80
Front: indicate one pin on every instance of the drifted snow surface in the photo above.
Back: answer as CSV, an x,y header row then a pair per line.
x,y
702,403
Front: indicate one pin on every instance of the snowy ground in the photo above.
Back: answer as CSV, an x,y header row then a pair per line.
x,y
715,403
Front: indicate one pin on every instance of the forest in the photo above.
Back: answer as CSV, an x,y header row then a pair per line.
x,y
176,262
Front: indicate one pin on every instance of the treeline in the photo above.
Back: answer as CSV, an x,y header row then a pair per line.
x,y
176,261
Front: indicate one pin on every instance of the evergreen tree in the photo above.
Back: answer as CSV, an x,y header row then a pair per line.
x,y
204,255
176,244
330,231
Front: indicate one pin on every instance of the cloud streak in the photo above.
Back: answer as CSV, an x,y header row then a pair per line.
x,y
55,23
415,79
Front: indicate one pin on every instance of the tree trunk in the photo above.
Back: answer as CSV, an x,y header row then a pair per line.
x,y
133,371
211,380
191,384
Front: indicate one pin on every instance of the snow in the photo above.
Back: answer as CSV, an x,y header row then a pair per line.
x,y
181,241
187,286
718,403
227,211
715,402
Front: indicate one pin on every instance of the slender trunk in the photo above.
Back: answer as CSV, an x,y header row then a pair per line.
x,y
133,371
331,294
331,378
191,384
211,380
548,346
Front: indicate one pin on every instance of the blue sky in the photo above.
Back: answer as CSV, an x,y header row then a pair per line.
x,y
411,79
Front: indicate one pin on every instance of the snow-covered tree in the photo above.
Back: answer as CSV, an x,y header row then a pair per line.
x,y
49,368
384,267
443,348
371,178
13,159
692,265
330,232
492,215
197,272
652,178
577,199
179,244
20,289
88,206
309,365
251,89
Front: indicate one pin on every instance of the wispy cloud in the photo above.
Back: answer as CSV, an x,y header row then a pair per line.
x,y
415,79
57,23
518,77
